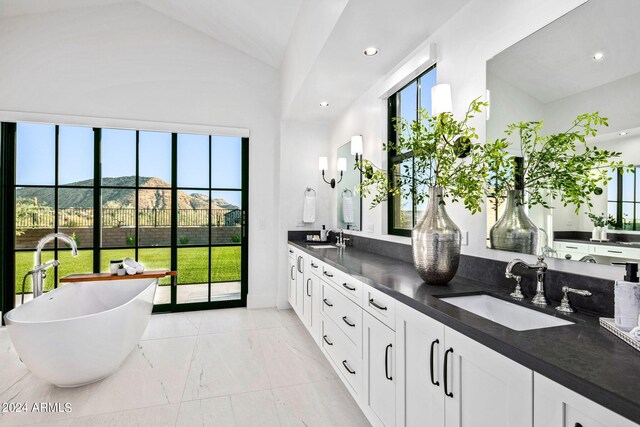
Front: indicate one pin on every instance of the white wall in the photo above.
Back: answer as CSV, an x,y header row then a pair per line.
x,y
464,44
127,65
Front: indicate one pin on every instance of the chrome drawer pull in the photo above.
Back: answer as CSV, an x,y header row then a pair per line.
x,y
327,274
326,340
327,303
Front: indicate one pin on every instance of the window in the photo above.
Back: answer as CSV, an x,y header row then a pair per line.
x,y
168,200
623,197
403,211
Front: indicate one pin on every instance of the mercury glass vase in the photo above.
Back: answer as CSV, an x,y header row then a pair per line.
x,y
514,231
435,242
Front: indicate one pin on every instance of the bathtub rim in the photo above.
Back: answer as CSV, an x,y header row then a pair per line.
x,y
9,322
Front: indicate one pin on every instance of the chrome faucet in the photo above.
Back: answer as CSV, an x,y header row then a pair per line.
x,y
589,259
39,271
540,267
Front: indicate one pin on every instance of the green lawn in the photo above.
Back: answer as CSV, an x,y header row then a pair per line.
x,y
192,264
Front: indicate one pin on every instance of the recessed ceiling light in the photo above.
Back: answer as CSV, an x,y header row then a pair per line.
x,y
623,133
324,104
371,51
598,56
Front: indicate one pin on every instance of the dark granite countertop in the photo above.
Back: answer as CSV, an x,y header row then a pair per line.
x,y
583,357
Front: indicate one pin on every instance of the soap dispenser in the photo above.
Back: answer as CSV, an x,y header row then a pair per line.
x,y
627,298
323,234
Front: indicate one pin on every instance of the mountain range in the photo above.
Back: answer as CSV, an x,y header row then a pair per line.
x,y
158,195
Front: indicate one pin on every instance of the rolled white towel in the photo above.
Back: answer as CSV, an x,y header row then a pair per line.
x,y
130,271
131,263
309,209
635,333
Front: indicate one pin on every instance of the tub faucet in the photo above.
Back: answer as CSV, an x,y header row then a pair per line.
x,y
540,267
39,270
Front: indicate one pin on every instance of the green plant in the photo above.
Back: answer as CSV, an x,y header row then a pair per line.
x,y
561,166
235,238
131,240
184,240
444,155
598,220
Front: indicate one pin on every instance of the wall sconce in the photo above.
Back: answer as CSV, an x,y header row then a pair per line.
x,y
357,146
441,99
323,165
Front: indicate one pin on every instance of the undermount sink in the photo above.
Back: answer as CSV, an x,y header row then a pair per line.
x,y
322,247
505,313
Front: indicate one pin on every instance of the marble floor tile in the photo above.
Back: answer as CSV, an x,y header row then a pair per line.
x,y
12,368
256,409
157,416
214,412
171,325
224,364
289,317
325,403
239,319
153,374
293,357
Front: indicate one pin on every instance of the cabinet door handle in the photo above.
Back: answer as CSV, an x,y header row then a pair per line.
x,y
446,365
433,343
572,247
614,252
577,425
386,362
345,320
292,268
351,371
379,307
290,251
314,265
351,288
327,274
327,303
300,264
308,294
326,340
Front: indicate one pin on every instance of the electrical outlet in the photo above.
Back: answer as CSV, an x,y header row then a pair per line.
x,y
370,228
464,238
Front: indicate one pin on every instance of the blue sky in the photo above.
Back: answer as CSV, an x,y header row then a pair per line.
x,y
36,165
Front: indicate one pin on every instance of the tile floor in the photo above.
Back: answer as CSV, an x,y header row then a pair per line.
x,y
232,367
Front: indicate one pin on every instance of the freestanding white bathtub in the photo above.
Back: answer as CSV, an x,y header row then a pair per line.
x,y
81,332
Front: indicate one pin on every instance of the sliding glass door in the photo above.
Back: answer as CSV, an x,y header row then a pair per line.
x,y
170,201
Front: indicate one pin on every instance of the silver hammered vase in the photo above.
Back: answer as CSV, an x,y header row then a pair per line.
x,y
514,231
435,242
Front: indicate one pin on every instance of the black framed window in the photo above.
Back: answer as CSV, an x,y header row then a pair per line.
x,y
403,211
623,199
171,201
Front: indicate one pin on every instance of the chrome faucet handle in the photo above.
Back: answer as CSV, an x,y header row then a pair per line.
x,y
565,305
517,292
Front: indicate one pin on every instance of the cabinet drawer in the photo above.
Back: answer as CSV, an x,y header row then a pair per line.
x,y
291,252
614,251
344,355
314,266
381,306
343,282
343,312
575,248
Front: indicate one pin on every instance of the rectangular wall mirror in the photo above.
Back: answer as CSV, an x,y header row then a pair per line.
x,y
348,201
584,62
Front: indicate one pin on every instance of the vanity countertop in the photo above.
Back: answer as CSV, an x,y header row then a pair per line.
x,y
583,357
602,243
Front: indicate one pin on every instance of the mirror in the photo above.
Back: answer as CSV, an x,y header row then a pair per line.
x,y
586,61
349,202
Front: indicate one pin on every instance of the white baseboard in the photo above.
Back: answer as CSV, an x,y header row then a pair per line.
x,y
260,301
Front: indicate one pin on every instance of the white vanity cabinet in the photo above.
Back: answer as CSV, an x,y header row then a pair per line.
x,y
300,283
311,296
447,379
557,406
292,275
379,389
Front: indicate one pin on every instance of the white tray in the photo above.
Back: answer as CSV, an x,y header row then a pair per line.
x,y
609,324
